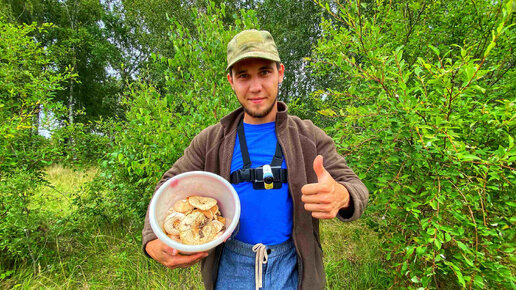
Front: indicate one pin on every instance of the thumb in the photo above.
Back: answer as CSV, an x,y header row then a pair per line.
x,y
319,168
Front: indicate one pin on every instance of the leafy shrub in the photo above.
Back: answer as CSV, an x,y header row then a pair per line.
x,y
27,82
26,230
423,108
79,143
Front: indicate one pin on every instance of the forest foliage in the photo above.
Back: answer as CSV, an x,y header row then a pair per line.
x,y
427,118
418,96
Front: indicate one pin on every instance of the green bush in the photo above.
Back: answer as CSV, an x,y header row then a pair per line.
x,y
423,108
21,234
27,82
79,144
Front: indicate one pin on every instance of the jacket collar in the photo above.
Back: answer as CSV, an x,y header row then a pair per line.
x,y
230,122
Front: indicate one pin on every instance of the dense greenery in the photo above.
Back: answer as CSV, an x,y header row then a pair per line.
x,y
418,95
27,84
424,109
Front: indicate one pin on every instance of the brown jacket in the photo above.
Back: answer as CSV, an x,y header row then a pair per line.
x,y
301,142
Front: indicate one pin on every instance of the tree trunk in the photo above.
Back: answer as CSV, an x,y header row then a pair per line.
x,y
71,108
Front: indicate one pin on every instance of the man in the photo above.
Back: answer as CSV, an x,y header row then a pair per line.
x,y
277,244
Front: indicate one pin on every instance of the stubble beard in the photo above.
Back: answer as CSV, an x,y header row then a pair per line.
x,y
262,114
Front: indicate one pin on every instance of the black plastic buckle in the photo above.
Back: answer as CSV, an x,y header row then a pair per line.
x,y
255,175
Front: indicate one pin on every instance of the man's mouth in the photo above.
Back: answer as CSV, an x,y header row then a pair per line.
x,y
256,100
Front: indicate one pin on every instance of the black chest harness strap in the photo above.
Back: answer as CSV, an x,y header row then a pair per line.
x,y
264,177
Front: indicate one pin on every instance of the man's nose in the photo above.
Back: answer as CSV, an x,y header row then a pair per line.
x,y
256,85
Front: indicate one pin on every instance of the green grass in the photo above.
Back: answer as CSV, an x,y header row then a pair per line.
x,y
111,256
63,184
111,259
351,256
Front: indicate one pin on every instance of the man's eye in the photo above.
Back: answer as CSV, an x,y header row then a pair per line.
x,y
265,72
242,76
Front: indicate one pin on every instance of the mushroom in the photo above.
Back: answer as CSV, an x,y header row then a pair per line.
x,y
194,221
182,206
202,202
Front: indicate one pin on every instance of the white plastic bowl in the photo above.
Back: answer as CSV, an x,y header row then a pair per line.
x,y
194,183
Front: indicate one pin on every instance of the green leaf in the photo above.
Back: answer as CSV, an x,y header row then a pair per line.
x,y
477,87
418,70
420,250
463,247
434,49
433,204
404,267
479,282
457,272
468,157
437,244
488,49
327,112
462,52
468,261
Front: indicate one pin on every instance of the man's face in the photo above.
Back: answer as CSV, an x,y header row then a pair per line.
x,y
255,82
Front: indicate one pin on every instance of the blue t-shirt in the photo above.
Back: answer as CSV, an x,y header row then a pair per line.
x,y
266,215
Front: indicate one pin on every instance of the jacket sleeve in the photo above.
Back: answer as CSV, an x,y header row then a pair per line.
x,y
336,165
192,159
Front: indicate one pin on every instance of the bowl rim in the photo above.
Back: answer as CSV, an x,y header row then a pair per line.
x,y
158,231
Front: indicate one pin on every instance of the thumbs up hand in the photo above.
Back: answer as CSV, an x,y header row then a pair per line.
x,y
326,197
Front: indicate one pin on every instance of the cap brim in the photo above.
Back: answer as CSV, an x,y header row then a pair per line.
x,y
254,54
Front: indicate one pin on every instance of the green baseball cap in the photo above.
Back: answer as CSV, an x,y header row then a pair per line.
x,y
251,43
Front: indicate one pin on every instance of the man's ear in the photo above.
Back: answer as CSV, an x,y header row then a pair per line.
x,y
230,80
281,73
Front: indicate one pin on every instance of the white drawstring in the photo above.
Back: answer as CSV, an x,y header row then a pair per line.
x,y
261,258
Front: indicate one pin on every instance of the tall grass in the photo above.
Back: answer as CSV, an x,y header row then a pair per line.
x,y
111,259
351,256
63,182
111,256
